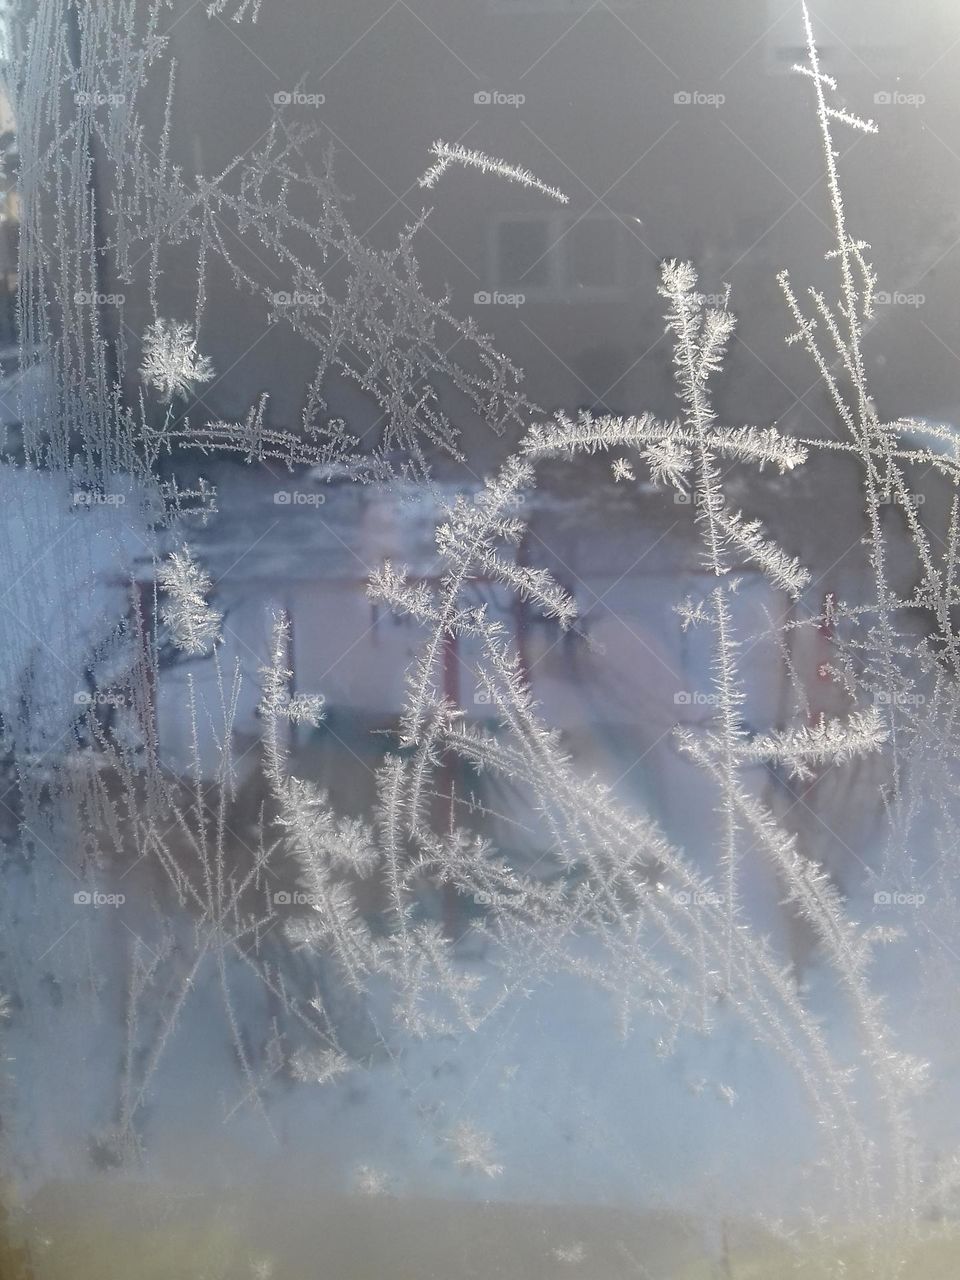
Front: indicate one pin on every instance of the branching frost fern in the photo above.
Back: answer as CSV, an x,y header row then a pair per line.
x,y
614,901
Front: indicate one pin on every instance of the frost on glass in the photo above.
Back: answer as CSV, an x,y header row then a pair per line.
x,y
221,924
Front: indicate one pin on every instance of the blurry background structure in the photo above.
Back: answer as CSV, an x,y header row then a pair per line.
x,y
676,130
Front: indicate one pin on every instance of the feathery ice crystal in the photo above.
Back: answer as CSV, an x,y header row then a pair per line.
x,y
447,155
193,624
473,1150
170,362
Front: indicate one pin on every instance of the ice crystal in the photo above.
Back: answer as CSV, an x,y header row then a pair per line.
x,y
170,361
193,623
